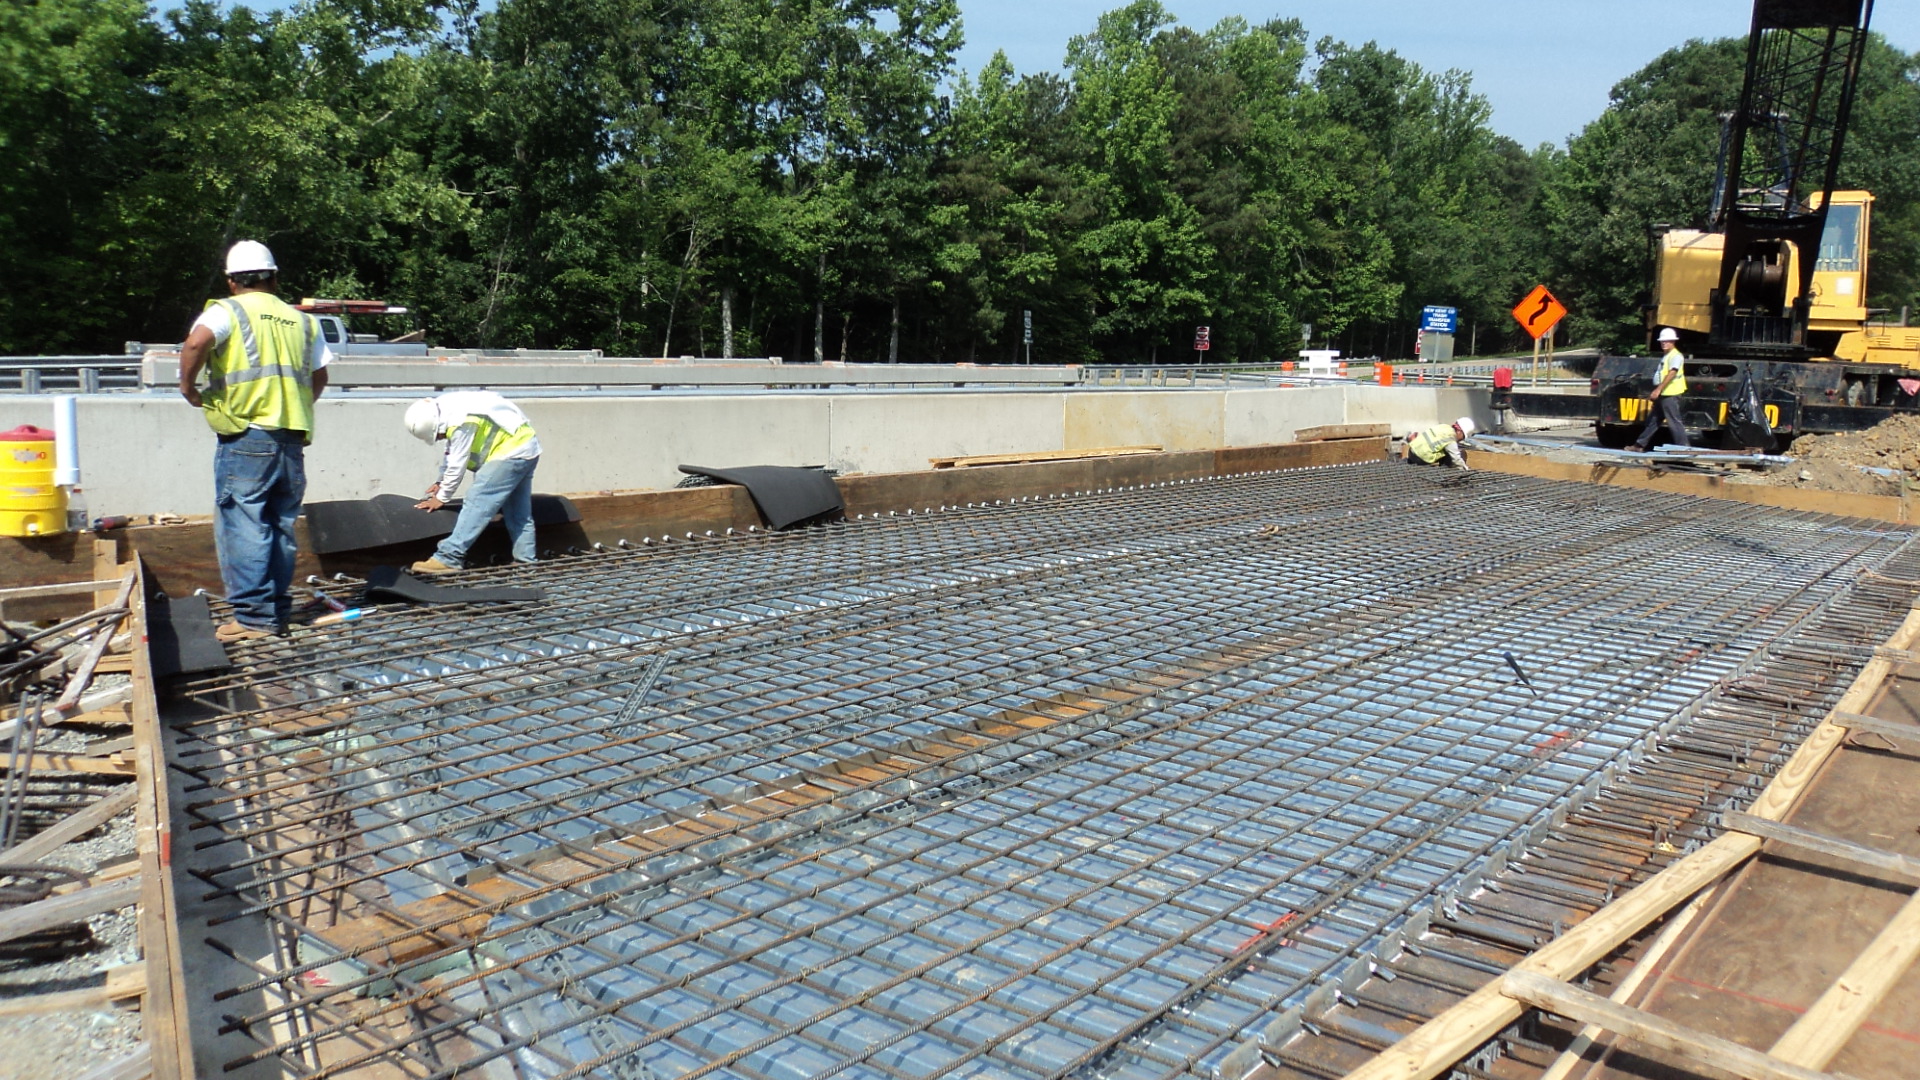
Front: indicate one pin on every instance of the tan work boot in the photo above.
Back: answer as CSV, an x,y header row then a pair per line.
x,y
233,631
432,566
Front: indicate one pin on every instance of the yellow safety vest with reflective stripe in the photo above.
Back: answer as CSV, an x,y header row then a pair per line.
x,y
260,376
491,441
1431,445
1676,362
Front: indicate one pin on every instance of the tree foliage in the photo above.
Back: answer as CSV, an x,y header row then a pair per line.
x,y
814,177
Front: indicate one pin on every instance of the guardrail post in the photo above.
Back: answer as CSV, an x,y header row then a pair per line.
x,y
89,380
30,380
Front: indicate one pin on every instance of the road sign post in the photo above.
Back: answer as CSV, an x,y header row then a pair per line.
x,y
1026,333
1202,341
1538,313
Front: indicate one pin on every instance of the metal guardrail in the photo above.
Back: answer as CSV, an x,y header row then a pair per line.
x,y
69,374
162,369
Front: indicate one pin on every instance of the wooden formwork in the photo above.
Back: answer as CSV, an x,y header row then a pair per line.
x,y
1691,896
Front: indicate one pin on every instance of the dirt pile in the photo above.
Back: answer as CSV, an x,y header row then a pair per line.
x,y
1839,462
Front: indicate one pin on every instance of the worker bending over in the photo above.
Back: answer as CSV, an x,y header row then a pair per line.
x,y
1441,442
1669,383
489,435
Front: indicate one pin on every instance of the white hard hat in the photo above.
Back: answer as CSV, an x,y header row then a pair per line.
x,y
1465,424
1668,333
248,256
423,420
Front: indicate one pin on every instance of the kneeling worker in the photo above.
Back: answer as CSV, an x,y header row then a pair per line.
x,y
491,436
1441,442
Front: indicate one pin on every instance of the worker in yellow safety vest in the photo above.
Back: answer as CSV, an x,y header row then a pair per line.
x,y
489,436
1441,443
1668,384
265,363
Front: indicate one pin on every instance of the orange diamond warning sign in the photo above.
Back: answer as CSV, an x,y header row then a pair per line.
x,y
1539,312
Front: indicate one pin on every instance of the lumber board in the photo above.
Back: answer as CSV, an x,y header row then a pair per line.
x,y
65,588
1875,507
180,557
1326,432
137,1065
1824,1029
73,907
114,765
72,827
102,638
1860,856
969,460
123,982
1694,1047
1643,967
1907,734
106,564
165,1019
118,715
1434,1046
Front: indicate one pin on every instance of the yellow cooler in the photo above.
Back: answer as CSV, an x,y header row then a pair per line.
x,y
30,503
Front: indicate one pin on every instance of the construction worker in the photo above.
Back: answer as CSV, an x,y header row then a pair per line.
x,y
265,363
490,436
1441,442
1669,383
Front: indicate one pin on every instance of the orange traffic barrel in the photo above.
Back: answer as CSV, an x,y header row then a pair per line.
x,y
31,504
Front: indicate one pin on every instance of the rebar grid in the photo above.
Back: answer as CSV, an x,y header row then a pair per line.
x,y
1095,782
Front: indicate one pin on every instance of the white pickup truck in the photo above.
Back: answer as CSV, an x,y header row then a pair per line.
x,y
344,342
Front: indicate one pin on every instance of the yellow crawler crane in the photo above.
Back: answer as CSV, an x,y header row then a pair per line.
x,y
1770,296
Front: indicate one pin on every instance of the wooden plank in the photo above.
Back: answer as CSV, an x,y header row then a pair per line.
x,y
1907,734
71,827
1875,507
1824,1029
123,983
1905,867
117,714
971,460
1342,431
1643,967
117,765
137,1065
1694,1047
73,907
165,1019
1434,1046
66,588
102,637
106,564
114,664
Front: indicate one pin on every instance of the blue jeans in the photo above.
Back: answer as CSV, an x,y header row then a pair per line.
x,y
502,487
259,478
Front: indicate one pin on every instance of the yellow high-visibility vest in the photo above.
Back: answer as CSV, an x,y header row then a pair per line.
x,y
491,441
260,376
1676,362
1431,445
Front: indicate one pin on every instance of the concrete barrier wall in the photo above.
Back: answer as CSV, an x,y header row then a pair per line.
x,y
153,454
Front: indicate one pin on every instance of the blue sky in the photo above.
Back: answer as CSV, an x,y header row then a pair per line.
x,y
1545,66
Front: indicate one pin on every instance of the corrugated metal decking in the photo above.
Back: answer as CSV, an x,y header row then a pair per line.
x,y
1090,785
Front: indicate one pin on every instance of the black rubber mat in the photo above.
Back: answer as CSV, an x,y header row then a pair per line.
x,y
180,637
786,495
355,524
392,583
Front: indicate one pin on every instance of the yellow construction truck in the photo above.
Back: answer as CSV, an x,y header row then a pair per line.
x,y
1770,297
